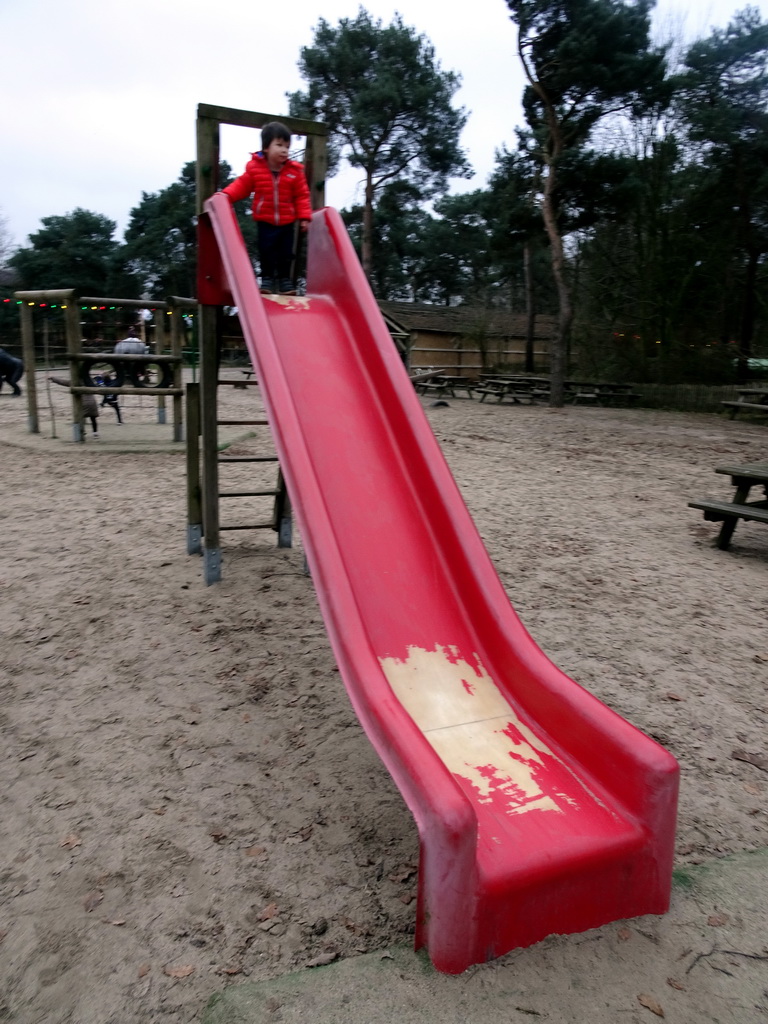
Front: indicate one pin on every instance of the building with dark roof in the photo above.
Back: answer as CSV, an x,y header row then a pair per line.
x,y
465,340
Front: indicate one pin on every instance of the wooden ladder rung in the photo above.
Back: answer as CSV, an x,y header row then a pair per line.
x,y
247,458
249,526
247,494
242,423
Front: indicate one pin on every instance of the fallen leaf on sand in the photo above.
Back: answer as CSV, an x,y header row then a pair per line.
x,y
255,851
217,836
674,696
754,790
301,836
354,927
179,972
404,874
268,912
758,760
117,922
650,1004
70,842
674,983
92,900
624,934
144,970
717,920
230,970
323,960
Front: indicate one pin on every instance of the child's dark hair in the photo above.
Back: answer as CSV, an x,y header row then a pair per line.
x,y
274,130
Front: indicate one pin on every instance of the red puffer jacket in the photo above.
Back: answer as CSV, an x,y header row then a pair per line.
x,y
276,200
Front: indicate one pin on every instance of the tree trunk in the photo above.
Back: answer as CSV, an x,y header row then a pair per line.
x,y
553,150
558,355
530,309
747,327
366,245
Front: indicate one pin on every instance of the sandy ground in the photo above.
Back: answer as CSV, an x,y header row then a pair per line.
x,y
187,798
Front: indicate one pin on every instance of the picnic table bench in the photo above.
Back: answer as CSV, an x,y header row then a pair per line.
x,y
463,384
599,391
754,398
433,382
743,478
520,386
502,387
438,382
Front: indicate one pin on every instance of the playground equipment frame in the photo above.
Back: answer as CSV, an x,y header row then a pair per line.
x,y
69,299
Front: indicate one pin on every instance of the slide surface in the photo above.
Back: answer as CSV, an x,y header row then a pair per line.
x,y
539,809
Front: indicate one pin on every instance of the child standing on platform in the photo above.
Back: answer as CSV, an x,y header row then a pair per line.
x,y
280,198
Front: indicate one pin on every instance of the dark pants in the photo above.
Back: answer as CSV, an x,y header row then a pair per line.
x,y
113,402
275,249
11,371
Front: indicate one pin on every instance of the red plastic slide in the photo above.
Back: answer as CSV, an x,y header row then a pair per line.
x,y
539,809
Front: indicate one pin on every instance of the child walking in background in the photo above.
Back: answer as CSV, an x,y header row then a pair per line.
x,y
111,400
280,198
90,406
11,370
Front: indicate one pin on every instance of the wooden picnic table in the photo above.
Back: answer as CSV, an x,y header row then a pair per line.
x,y
437,382
743,478
518,389
599,391
754,398
503,384
459,383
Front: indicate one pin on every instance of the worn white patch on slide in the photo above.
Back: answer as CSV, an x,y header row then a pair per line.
x,y
472,727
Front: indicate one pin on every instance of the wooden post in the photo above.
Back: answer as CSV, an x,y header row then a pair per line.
x,y
194,496
317,169
210,317
74,348
28,355
160,341
207,176
176,305
282,520
207,167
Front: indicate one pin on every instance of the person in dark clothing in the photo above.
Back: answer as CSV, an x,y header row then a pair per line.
x,y
11,370
113,401
90,405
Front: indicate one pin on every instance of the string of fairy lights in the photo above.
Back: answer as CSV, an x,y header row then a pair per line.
x,y
63,305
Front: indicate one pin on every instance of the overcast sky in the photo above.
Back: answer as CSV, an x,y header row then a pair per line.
x,y
100,98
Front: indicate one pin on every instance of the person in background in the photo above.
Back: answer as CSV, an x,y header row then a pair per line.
x,y
90,405
11,370
280,199
113,401
132,344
